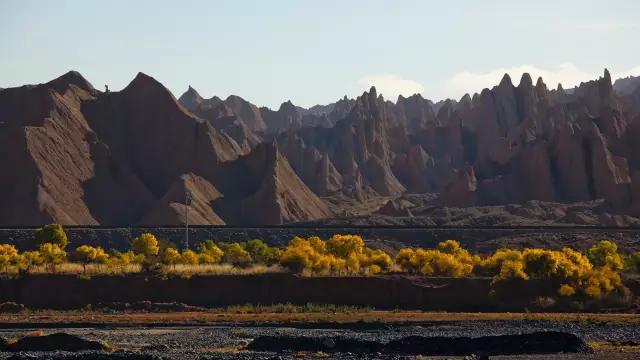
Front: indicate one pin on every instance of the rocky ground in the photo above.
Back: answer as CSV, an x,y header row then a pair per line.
x,y
609,340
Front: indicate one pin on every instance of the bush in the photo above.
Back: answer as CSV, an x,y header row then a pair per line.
x,y
51,234
8,256
448,260
170,256
262,253
605,253
31,259
342,254
118,258
210,253
146,244
236,255
52,255
632,263
189,257
90,255
571,271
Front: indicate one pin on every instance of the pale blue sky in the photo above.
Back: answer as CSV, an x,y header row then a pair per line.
x,y
317,51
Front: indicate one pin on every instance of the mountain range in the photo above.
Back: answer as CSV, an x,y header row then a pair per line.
x,y
510,154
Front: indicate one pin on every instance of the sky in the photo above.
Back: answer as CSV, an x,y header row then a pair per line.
x,y
314,52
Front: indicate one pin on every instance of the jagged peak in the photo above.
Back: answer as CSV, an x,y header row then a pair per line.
x,y
190,99
540,82
506,81
144,80
525,81
287,106
607,75
373,92
192,92
560,88
147,85
71,78
234,98
465,99
475,98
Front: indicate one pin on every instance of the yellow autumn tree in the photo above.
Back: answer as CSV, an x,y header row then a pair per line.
x,y
52,255
146,244
341,254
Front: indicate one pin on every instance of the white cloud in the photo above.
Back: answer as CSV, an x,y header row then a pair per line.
x,y
566,74
390,85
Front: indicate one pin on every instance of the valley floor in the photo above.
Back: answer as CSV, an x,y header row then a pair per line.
x,y
225,334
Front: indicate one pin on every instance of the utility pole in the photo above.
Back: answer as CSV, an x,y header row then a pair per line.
x,y
187,201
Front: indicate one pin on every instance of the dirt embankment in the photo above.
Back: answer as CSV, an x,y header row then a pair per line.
x,y
380,292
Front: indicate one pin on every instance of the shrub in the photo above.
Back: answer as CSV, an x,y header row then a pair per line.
x,y
236,255
52,234
262,253
632,263
31,259
566,290
448,260
146,244
210,253
170,256
8,256
570,270
52,255
342,254
343,246
189,257
90,255
118,258
605,253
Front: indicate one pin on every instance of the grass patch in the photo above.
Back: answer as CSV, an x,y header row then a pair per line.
x,y
294,309
75,269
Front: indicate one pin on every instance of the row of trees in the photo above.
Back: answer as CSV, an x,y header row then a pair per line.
x,y
593,273
50,243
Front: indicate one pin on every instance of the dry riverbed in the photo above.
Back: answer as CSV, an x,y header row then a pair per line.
x,y
226,334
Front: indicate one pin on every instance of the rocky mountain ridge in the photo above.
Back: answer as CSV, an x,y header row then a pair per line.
x,y
81,156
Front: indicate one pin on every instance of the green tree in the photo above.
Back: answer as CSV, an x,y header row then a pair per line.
x,y
236,255
632,263
52,234
605,253
146,244
262,253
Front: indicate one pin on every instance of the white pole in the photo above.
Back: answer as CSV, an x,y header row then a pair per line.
x,y
187,199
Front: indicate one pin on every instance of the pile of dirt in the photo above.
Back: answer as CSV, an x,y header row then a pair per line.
x,y
549,342
11,307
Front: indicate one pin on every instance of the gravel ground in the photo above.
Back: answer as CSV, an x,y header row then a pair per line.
x,y
226,342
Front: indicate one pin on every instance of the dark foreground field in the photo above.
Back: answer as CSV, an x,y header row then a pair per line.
x,y
217,336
